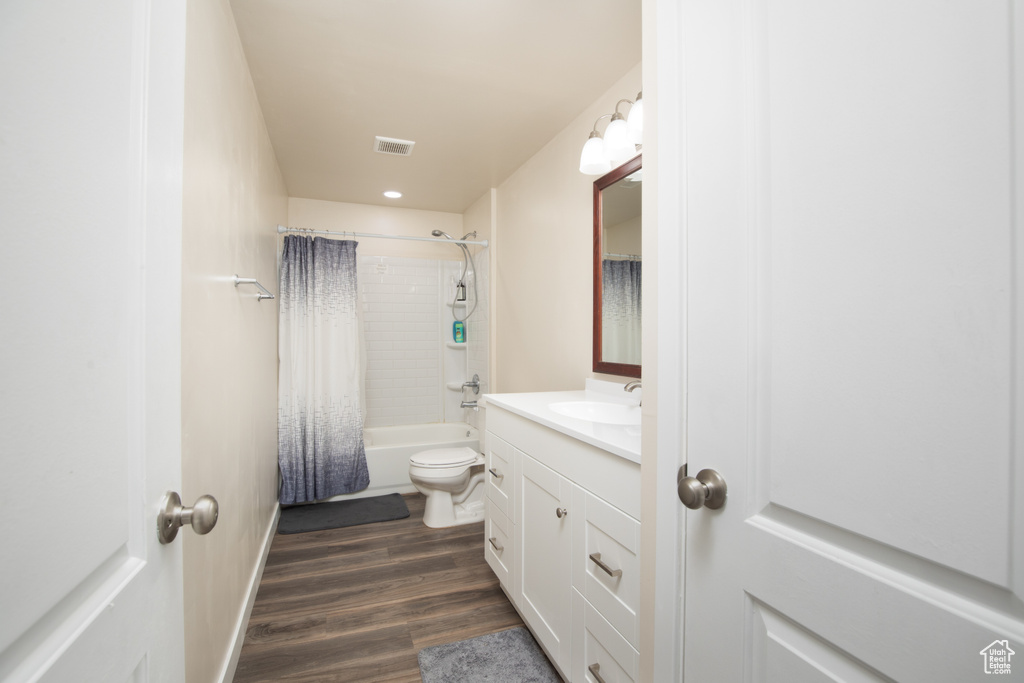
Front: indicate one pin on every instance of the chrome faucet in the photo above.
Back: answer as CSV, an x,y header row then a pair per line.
x,y
635,384
468,404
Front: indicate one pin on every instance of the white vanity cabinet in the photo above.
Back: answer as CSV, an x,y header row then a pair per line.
x,y
566,515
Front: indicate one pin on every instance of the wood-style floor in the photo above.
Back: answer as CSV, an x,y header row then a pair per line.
x,y
357,604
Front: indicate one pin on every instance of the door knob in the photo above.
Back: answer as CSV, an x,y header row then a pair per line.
x,y
707,489
202,516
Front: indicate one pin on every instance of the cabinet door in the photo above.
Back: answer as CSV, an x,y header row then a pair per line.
x,y
545,579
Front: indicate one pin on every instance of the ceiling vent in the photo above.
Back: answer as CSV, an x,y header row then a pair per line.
x,y
393,146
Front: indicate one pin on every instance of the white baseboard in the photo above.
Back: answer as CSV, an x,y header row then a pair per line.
x,y
231,664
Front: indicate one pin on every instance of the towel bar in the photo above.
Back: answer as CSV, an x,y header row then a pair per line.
x,y
264,293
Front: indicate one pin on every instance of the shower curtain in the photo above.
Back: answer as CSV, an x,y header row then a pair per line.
x,y
320,412
620,311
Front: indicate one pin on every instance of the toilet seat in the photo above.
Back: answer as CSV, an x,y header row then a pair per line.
x,y
438,458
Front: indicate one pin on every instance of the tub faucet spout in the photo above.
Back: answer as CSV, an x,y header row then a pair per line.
x,y
468,404
635,384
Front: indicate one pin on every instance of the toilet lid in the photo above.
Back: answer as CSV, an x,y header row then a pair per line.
x,y
444,457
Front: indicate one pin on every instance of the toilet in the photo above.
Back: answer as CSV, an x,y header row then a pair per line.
x,y
452,479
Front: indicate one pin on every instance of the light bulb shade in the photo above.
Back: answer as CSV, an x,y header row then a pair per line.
x,y
617,144
593,160
635,122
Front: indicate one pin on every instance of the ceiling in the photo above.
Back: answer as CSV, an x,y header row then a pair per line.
x,y
479,85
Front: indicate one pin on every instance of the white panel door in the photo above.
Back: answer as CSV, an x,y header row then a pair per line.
x,y
90,166
853,337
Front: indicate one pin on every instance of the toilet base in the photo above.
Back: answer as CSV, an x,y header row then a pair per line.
x,y
441,512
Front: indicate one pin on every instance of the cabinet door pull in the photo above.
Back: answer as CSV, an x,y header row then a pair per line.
x,y
494,542
496,473
596,559
594,670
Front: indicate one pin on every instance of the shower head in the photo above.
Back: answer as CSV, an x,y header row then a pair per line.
x,y
438,233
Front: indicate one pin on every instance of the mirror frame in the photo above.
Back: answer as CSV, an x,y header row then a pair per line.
x,y
610,178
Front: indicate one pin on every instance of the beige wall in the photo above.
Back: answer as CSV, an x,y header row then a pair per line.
x,y
316,214
544,261
234,197
624,238
480,216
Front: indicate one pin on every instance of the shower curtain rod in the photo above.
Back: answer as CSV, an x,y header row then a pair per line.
x,y
283,229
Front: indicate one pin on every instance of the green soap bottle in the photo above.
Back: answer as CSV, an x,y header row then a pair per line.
x,y
459,331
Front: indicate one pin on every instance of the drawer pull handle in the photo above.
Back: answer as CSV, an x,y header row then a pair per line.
x,y
596,559
594,670
496,473
494,542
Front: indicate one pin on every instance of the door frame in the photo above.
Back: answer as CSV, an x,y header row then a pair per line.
x,y
663,541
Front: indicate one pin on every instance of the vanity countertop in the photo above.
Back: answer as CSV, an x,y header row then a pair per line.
x,y
621,440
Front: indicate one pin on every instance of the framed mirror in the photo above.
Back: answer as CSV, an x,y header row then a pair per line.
x,y
617,270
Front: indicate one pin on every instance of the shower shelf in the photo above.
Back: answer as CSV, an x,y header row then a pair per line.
x,y
456,345
453,386
449,304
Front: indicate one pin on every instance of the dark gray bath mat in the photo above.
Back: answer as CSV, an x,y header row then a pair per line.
x,y
317,516
505,657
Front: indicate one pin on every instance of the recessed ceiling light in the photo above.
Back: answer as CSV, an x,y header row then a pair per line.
x,y
392,194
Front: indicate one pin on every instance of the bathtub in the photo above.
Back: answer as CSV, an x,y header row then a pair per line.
x,y
388,450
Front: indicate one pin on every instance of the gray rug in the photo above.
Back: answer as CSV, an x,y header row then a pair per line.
x,y
317,516
505,657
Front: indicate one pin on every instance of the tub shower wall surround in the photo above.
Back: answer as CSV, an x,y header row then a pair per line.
x,y
415,370
402,333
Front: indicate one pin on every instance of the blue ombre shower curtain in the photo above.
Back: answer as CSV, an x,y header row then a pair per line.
x,y
622,305
320,413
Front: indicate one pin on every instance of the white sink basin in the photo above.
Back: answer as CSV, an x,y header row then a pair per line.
x,y
599,411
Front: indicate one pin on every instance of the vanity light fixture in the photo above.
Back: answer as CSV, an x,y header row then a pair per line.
x,y
593,159
617,144
635,120
392,194
621,137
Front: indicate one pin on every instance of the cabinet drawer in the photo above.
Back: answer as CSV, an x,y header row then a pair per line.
x,y
599,649
606,562
499,548
500,477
